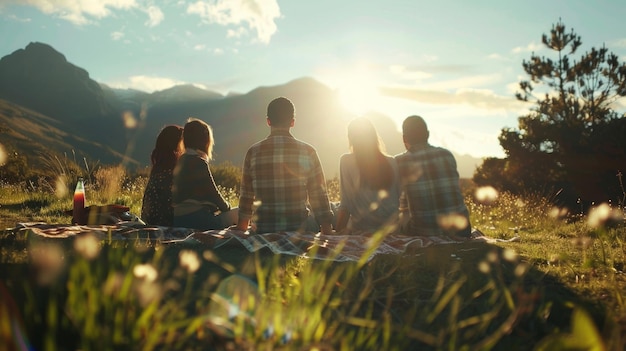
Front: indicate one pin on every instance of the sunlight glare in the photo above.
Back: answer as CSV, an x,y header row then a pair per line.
x,y
3,156
356,87
359,96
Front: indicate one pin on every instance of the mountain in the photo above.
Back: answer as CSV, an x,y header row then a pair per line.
x,y
39,78
114,124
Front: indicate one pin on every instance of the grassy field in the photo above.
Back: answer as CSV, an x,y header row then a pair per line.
x,y
561,286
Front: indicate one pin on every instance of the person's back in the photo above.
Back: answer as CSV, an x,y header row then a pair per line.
x,y
197,201
156,208
368,181
430,182
282,176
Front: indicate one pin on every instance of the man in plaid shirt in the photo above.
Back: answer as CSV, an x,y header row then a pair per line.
x,y
431,202
282,178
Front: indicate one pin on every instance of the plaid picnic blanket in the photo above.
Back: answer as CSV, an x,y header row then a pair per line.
x,y
334,247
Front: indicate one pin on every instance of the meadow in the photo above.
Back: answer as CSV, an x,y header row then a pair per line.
x,y
560,286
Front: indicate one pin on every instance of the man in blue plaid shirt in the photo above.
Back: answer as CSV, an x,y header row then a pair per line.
x,y
431,202
282,180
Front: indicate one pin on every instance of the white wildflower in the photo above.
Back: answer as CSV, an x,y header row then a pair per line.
x,y
189,260
146,272
486,194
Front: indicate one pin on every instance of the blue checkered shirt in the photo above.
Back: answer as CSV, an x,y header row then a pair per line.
x,y
430,189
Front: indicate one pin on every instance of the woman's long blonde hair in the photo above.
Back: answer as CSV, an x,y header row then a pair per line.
x,y
374,169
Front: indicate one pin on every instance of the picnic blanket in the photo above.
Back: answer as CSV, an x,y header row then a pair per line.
x,y
314,245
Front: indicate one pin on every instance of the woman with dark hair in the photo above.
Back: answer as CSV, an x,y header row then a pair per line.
x,y
198,204
368,182
157,207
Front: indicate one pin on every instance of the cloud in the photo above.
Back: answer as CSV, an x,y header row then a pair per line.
x,y
528,48
85,12
117,35
495,57
619,43
77,12
146,83
430,69
231,33
214,51
404,73
155,16
17,19
479,98
466,82
259,15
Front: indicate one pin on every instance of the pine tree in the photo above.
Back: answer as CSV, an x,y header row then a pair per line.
x,y
570,142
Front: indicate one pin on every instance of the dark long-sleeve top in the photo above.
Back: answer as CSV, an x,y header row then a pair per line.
x,y
193,184
156,208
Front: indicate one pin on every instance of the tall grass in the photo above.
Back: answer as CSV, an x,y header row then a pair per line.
x,y
562,283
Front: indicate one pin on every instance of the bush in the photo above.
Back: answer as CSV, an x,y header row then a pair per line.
x,y
227,175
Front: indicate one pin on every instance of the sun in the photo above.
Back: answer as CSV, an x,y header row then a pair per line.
x,y
359,96
356,87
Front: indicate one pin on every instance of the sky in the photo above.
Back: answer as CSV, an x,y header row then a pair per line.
x,y
457,63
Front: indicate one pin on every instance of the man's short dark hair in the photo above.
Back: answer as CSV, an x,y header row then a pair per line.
x,y
414,130
280,112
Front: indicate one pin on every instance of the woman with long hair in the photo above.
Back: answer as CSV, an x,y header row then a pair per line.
x,y
157,207
368,182
198,203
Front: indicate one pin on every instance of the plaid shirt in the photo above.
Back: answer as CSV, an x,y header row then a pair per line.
x,y
281,173
431,191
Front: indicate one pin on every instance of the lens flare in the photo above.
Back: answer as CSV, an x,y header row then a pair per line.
x,y
12,330
60,188
509,255
130,122
558,213
48,260
484,267
3,156
601,214
486,195
383,194
453,221
374,206
87,245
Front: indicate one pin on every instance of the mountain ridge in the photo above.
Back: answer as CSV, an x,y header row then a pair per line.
x,y
122,124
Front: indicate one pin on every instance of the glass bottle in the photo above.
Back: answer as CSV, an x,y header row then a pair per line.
x,y
79,203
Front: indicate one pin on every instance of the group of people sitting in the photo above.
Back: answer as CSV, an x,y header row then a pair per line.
x,y
283,187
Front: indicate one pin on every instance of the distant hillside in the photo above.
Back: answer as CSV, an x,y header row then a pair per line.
x,y
81,114
39,138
